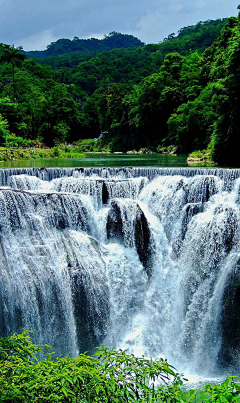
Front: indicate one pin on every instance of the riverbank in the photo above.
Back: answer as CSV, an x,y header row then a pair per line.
x,y
17,154
200,157
64,152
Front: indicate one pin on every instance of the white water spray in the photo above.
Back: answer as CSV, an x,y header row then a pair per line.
x,y
145,259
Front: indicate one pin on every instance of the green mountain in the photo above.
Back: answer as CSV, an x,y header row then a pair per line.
x,y
192,102
182,92
113,40
91,70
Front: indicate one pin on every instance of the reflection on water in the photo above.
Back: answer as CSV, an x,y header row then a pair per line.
x,y
104,160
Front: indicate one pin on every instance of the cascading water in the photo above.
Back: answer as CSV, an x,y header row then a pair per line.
x,y
144,259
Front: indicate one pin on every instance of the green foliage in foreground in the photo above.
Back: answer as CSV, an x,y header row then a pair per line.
x,y
109,376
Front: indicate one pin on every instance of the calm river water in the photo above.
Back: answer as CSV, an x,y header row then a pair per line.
x,y
104,160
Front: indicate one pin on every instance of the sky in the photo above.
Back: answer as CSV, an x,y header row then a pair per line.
x,y
34,24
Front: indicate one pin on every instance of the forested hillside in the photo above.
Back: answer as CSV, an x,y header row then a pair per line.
x,y
35,106
95,69
111,41
182,92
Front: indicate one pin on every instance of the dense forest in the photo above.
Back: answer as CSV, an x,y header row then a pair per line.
x,y
182,92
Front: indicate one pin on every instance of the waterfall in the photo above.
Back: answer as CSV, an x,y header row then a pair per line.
x,y
144,259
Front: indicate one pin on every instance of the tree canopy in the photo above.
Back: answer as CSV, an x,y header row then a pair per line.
x,y
181,93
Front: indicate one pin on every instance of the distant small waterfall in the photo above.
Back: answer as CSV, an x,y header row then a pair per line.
x,y
144,259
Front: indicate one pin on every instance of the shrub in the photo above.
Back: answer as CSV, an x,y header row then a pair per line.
x,y
4,128
56,152
109,376
86,145
17,141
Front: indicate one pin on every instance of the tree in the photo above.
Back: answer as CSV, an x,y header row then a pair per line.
x,y
191,127
10,111
4,131
154,100
11,55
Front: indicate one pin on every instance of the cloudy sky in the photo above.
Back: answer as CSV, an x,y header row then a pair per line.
x,y
35,23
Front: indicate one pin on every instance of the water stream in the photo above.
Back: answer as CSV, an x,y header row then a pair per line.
x,y
145,259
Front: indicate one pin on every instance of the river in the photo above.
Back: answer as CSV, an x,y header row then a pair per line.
x,y
104,160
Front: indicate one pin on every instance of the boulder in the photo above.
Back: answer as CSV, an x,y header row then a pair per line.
x,y
143,241
230,322
114,222
137,234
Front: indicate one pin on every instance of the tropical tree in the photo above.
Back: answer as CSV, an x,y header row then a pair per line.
x,y
11,55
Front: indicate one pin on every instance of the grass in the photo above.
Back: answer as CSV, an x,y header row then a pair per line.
x,y
16,154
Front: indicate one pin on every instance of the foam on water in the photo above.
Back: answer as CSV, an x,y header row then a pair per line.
x,y
144,259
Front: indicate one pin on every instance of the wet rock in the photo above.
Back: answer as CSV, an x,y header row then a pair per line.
x,y
114,222
190,210
202,188
132,230
230,224
230,322
91,306
105,194
143,241
65,211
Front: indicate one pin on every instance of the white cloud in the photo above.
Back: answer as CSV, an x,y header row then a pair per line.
x,y
201,4
34,24
155,25
94,35
37,41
